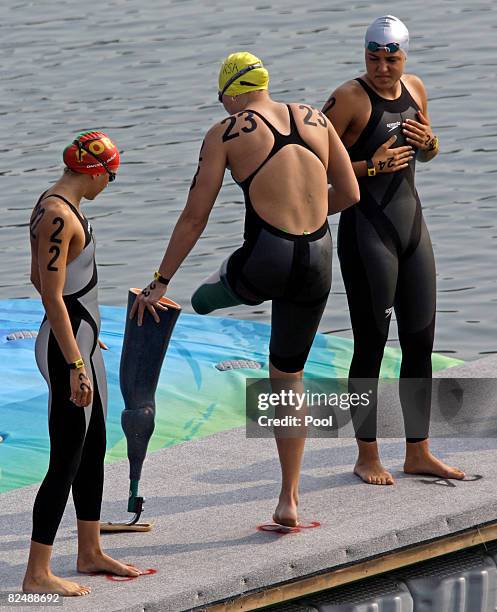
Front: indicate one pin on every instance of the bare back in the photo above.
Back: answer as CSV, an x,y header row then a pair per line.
x,y
283,157
281,162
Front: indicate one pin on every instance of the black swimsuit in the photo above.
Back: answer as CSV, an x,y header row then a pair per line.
x,y
77,435
387,264
294,271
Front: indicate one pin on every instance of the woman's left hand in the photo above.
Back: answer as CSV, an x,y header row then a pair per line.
x,y
419,133
102,345
149,299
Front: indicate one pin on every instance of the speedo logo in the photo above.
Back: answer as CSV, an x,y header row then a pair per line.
x,y
393,126
388,312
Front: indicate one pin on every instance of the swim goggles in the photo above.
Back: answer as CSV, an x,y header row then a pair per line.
x,y
235,77
390,48
81,147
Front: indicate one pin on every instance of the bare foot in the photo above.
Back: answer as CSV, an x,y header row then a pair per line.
x,y
286,512
103,563
372,472
53,584
429,464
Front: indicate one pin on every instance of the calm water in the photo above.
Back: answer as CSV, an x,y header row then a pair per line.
x,y
146,72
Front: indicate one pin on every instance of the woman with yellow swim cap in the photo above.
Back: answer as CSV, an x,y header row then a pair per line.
x,y
282,156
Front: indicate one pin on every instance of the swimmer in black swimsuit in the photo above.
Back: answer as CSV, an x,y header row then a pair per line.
x,y
384,246
282,156
64,272
298,280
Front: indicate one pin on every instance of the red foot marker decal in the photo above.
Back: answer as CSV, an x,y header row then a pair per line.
x,y
283,529
115,578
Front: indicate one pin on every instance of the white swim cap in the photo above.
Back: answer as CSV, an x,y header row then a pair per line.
x,y
387,30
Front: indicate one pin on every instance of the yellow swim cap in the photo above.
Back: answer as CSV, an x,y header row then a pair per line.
x,y
240,73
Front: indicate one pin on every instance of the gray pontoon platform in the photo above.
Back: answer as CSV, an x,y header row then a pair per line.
x,y
206,499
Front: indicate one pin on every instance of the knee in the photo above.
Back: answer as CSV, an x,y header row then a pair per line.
x,y
139,422
277,372
417,344
291,366
198,304
369,346
63,470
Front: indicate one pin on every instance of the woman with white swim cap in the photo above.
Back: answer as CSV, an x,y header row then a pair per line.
x,y
385,252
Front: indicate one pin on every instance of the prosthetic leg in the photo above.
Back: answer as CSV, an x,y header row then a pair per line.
x,y
143,352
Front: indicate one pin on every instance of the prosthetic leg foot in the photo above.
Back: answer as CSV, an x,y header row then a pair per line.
x,y
144,349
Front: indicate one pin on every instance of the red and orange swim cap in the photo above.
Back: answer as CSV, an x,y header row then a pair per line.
x,y
92,153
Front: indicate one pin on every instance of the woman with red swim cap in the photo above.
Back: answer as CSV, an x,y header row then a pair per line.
x,y
92,153
68,354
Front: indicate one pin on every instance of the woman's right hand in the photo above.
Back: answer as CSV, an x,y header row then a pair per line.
x,y
149,298
81,389
392,160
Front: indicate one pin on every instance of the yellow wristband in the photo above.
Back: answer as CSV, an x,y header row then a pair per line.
x,y
433,144
77,365
371,167
161,279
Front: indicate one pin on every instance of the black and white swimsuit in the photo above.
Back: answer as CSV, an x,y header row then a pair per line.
x,y
77,435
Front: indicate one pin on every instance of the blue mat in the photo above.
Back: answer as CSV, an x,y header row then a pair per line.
x,y
194,398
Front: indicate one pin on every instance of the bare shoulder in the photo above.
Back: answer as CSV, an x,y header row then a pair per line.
x,y
347,96
55,206
301,108
308,115
229,128
417,89
414,83
350,90
216,130
55,214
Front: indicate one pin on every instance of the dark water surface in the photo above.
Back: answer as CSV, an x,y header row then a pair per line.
x,y
146,72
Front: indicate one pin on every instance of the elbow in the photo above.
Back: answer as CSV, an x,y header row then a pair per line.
x,y
354,195
348,198
51,301
35,281
198,225
353,192
195,223
343,195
